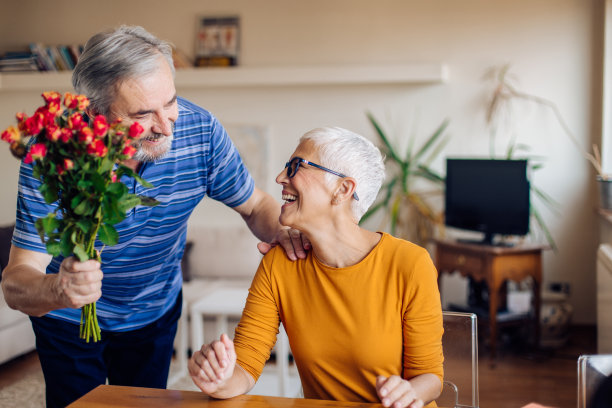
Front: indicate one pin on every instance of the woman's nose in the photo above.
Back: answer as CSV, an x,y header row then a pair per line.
x,y
282,177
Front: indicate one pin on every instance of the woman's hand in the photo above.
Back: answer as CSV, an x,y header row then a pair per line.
x,y
213,365
396,392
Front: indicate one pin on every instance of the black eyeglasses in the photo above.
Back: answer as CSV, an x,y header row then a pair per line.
x,y
293,165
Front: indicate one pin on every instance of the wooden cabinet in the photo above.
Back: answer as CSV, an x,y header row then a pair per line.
x,y
494,265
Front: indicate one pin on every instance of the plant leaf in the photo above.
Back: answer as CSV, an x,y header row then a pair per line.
x,y
148,201
384,138
431,140
80,252
108,234
53,247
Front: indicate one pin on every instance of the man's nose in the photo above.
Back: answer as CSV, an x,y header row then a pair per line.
x,y
163,124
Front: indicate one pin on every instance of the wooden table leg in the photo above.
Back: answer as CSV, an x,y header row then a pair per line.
x,y
493,299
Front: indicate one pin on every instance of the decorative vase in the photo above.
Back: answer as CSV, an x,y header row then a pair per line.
x,y
555,318
605,192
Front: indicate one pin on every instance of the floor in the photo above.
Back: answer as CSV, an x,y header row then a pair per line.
x,y
520,375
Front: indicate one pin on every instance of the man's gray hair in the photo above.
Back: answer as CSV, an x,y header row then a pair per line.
x,y
111,57
353,155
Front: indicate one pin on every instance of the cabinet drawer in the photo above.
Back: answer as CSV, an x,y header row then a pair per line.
x,y
456,261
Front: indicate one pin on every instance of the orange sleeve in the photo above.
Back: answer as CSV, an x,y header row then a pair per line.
x,y
423,322
256,332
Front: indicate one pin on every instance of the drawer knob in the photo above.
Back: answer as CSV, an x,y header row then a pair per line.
x,y
461,260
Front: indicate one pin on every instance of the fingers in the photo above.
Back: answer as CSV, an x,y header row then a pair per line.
x,y
397,392
264,247
291,241
213,364
79,283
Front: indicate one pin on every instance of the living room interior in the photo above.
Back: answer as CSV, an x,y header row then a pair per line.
x,y
412,65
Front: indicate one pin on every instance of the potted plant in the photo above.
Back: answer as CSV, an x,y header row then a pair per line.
x,y
411,185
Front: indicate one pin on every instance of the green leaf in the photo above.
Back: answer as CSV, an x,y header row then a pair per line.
x,y
82,208
41,230
49,193
142,181
117,189
98,182
66,244
383,137
50,223
53,247
148,201
108,234
84,224
106,165
127,202
431,140
80,252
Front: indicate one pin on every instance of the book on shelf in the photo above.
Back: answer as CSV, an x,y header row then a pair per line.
x,y
18,61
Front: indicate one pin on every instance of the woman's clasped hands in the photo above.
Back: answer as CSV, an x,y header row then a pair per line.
x,y
212,365
396,392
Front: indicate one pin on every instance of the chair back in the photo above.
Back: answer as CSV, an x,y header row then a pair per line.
x,y
460,345
592,370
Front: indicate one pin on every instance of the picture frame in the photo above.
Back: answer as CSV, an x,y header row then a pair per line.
x,y
217,41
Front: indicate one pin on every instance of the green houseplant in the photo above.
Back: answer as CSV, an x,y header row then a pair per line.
x,y
411,186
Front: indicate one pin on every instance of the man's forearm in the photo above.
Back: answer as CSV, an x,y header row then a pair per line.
x,y
29,291
262,217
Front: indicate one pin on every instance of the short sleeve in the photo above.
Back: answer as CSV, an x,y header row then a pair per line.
x,y
30,206
229,181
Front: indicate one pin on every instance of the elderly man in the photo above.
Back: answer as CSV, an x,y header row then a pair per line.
x,y
186,154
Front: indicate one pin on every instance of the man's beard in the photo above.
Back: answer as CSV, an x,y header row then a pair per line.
x,y
150,154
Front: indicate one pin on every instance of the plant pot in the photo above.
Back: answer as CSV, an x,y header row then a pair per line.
x,y
605,192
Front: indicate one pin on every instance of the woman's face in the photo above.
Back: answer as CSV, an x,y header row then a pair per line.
x,y
307,196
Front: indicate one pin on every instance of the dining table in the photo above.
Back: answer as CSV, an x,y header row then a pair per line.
x,y
105,396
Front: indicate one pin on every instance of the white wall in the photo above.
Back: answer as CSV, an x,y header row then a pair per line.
x,y
553,45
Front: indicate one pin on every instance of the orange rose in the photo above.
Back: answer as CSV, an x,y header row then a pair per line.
x,y
100,126
10,135
86,135
97,148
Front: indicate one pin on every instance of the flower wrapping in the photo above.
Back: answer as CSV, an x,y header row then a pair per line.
x,y
79,163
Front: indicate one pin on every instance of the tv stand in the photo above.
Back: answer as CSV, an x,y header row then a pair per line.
x,y
500,244
494,265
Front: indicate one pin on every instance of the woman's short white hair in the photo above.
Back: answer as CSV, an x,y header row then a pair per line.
x,y
353,155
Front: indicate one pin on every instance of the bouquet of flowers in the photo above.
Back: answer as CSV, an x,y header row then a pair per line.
x,y
79,163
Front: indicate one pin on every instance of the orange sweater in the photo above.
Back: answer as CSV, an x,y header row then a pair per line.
x,y
381,316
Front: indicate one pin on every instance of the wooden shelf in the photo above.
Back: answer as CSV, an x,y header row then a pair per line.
x,y
417,73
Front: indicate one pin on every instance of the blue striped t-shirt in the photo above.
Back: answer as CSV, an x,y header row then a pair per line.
x,y
142,272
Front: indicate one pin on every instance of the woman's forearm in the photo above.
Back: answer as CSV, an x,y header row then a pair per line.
x,y
239,383
426,386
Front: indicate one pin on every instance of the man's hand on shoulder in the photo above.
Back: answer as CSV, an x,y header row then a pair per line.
x,y
293,242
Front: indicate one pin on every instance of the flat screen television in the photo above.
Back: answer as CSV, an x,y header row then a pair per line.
x,y
487,195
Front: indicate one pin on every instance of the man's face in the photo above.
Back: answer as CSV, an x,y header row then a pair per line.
x,y
151,101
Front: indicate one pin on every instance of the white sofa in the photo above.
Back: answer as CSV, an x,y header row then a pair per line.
x,y
16,334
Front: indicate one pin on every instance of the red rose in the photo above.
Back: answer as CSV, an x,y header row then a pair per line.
x,y
68,164
70,101
11,135
37,152
34,124
21,118
135,130
53,133
86,135
129,151
97,148
82,102
75,121
100,126
51,96
66,135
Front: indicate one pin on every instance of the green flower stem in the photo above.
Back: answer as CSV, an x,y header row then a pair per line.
x,y
89,319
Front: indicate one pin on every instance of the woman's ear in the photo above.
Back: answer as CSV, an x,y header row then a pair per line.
x,y
345,190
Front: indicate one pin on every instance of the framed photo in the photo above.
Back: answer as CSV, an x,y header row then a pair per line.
x,y
218,41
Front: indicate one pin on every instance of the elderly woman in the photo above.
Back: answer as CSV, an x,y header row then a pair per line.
x,y
362,311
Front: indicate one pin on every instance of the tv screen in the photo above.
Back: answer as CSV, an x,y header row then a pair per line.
x,y
486,195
